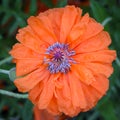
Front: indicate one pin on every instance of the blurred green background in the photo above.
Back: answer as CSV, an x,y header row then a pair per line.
x,y
13,15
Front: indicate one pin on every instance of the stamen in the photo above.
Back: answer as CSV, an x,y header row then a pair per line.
x,y
59,58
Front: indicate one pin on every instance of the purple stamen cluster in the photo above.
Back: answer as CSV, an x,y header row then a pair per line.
x,y
59,58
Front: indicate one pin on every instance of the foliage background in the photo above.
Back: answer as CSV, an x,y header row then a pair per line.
x,y
13,15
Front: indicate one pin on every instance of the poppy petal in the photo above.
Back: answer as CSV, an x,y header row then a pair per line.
x,y
83,74
92,29
104,56
33,95
77,31
26,83
98,42
92,96
19,51
101,84
78,98
25,66
66,23
47,92
41,29
84,30
63,96
53,107
30,40
55,17
99,68
76,34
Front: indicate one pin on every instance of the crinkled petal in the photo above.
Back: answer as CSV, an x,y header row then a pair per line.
x,y
98,42
99,68
101,84
92,29
89,95
68,20
103,56
30,40
85,29
53,106
77,94
47,92
83,74
75,35
95,91
43,30
77,31
25,66
34,94
92,96
26,83
55,16
19,51
63,96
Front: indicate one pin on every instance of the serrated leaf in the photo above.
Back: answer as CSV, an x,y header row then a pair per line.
x,y
12,74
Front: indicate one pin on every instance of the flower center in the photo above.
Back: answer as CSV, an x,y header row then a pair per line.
x,y
58,57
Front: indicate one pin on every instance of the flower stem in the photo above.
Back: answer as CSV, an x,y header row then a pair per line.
x,y
5,60
4,71
106,21
16,95
118,61
94,116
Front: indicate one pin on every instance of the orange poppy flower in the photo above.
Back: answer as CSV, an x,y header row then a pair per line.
x,y
64,60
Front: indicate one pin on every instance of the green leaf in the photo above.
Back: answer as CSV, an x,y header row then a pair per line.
x,y
18,4
12,74
106,109
33,7
27,111
6,18
98,11
1,37
19,18
61,3
13,28
2,104
5,3
48,3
